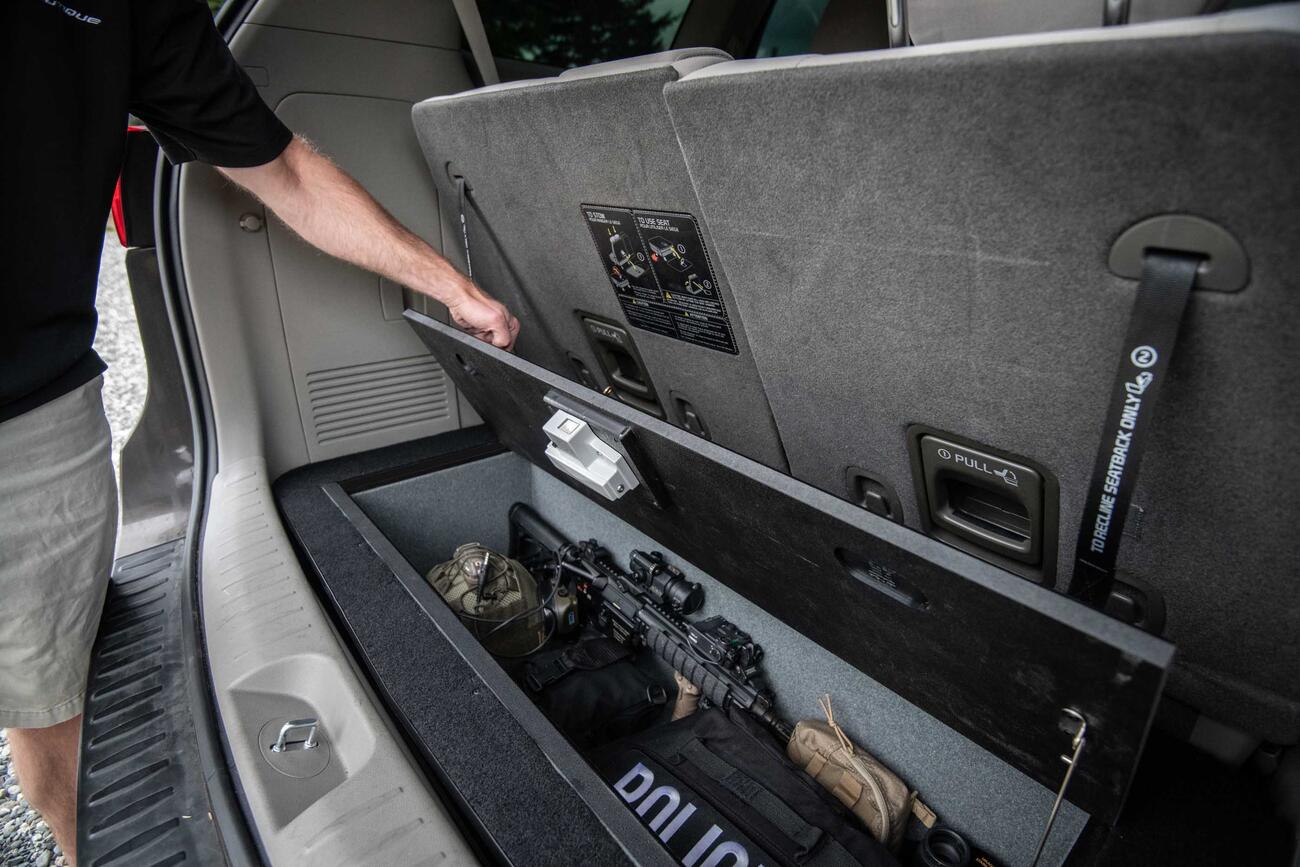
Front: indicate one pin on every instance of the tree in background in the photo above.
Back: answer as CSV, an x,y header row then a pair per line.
x,y
567,33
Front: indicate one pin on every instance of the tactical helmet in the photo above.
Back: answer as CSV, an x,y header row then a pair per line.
x,y
506,614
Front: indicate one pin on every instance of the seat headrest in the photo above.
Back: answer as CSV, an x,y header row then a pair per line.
x,y
930,21
686,60
851,25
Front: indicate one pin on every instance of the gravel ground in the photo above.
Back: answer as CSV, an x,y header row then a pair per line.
x,y
118,343
24,838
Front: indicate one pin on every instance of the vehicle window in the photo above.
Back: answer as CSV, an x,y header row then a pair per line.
x,y
790,27
214,5
567,33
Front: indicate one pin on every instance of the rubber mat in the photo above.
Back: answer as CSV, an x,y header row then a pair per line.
x,y
142,799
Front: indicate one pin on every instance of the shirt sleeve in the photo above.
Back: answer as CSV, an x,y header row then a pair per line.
x,y
196,100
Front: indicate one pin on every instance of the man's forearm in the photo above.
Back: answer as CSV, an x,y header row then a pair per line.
x,y
334,213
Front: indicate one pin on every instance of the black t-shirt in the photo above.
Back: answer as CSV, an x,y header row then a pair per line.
x,y
74,70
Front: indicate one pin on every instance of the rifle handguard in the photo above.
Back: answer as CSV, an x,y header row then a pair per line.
x,y
672,653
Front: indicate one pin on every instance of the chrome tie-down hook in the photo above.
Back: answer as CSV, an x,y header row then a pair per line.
x,y
283,744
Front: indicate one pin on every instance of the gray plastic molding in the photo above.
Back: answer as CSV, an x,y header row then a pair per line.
x,y
1225,267
274,656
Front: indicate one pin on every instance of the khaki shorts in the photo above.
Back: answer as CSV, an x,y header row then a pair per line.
x,y
58,520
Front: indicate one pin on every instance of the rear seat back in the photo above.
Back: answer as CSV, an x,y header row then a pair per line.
x,y
533,155
921,236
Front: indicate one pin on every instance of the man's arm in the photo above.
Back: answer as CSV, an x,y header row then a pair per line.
x,y
332,212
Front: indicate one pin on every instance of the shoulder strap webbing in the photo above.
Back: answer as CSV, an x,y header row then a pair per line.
x,y
1162,294
472,23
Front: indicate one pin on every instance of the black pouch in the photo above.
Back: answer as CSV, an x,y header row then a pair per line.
x,y
710,786
594,693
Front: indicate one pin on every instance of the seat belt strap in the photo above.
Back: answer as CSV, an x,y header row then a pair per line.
x,y
1163,291
464,227
472,23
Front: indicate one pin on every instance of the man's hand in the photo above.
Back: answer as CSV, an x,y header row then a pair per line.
x,y
332,212
484,317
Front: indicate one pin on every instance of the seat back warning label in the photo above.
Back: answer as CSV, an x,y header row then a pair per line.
x,y
661,274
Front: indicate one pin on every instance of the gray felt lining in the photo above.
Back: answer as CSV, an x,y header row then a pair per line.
x,y
923,238
427,516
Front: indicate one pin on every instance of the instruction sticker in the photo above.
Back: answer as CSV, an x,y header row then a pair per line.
x,y
661,273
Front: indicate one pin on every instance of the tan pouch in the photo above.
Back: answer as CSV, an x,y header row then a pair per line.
x,y
857,779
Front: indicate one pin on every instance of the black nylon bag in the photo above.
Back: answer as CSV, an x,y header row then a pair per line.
x,y
594,694
718,791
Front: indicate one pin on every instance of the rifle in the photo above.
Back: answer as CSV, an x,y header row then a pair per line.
x,y
647,608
